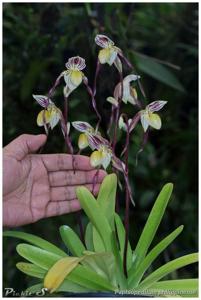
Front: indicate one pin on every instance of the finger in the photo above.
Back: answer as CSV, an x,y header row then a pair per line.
x,y
61,162
69,192
58,208
64,178
25,144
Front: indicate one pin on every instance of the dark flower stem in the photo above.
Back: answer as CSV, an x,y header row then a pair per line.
x,y
117,114
93,100
126,222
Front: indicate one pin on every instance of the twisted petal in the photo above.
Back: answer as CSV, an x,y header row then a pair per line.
x,y
96,141
118,64
103,41
156,105
43,118
82,126
76,62
118,164
96,158
83,141
42,100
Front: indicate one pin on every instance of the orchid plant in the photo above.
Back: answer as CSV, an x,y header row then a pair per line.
x,y
104,259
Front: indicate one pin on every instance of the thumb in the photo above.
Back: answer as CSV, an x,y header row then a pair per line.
x,y
25,144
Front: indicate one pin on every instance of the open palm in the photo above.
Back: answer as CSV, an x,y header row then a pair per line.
x,y
36,186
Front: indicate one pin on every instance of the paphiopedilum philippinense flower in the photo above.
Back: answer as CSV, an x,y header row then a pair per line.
x,y
109,53
129,93
73,76
50,114
86,129
149,118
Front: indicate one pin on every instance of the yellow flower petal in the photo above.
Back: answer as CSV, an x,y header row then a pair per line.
x,y
96,158
107,55
154,121
83,141
76,77
104,55
43,117
59,271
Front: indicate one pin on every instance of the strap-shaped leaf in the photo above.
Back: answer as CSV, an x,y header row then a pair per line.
x,y
31,269
107,196
181,287
95,215
37,256
36,288
168,268
35,240
59,271
152,223
102,263
97,241
89,237
121,279
136,275
81,275
121,238
71,240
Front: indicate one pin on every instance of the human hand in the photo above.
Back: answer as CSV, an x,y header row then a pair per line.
x,y
37,186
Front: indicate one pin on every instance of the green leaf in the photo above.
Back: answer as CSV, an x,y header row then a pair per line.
x,y
88,278
168,268
97,241
38,256
81,275
121,238
136,275
71,240
69,286
121,279
107,196
36,288
89,237
158,71
35,240
181,287
102,263
152,224
95,215
31,269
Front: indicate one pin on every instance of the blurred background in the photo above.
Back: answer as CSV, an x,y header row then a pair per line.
x,y
161,40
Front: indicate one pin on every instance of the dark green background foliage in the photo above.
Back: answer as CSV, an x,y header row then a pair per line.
x,y
161,41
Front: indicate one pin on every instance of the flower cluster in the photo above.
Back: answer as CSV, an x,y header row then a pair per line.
x,y
125,93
